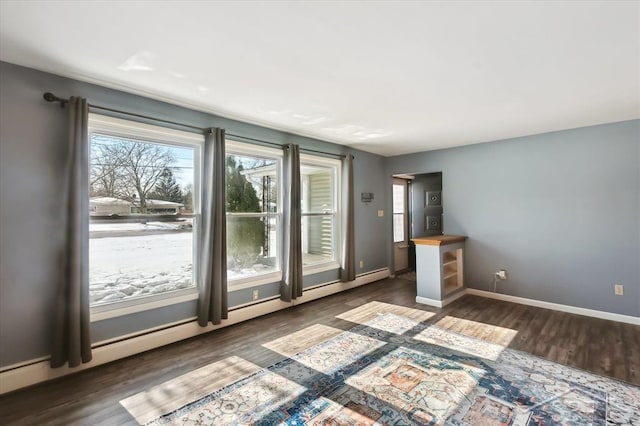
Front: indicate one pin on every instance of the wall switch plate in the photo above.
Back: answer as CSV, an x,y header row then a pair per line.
x,y
255,294
618,289
362,263
380,213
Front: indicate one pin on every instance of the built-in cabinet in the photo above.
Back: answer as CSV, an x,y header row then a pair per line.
x,y
439,268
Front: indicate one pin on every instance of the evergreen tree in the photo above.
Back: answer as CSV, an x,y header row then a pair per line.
x,y
241,195
187,197
167,189
245,236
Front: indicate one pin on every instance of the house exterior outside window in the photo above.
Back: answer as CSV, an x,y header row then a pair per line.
x,y
144,211
320,198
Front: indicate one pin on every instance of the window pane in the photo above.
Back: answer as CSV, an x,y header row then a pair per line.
x,y
141,218
251,246
398,227
317,189
252,184
317,239
398,198
252,214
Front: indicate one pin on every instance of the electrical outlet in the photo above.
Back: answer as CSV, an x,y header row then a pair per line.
x,y
618,289
502,274
255,294
380,213
362,263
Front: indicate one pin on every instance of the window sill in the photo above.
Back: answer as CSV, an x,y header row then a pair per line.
x,y
132,306
322,267
249,282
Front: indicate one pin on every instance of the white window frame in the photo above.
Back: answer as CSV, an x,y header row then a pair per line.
x,y
403,212
117,127
335,165
246,149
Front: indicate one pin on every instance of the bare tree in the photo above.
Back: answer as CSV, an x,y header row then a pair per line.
x,y
128,169
106,178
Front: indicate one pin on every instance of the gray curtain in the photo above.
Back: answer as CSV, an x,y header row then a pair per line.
x,y
71,339
291,286
212,274
348,267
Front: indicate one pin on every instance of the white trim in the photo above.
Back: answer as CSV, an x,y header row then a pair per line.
x,y
113,310
112,340
253,302
38,370
150,132
320,267
253,281
238,147
629,319
440,303
247,149
333,165
319,291
430,302
131,129
556,306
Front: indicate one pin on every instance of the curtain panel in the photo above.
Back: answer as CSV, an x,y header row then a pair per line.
x,y
71,339
212,272
291,286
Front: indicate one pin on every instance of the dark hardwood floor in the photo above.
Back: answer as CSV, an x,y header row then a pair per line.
x,y
92,397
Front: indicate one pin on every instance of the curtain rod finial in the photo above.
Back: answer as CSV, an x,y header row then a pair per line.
x,y
50,97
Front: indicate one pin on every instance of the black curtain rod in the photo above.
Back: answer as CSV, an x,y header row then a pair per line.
x,y
50,97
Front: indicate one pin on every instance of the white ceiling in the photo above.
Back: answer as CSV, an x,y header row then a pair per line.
x,y
386,77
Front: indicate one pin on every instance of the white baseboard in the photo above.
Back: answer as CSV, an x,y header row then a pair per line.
x,y
327,290
440,303
556,306
531,302
19,376
431,302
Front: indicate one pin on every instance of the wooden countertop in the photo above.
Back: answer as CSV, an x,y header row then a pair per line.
x,y
439,240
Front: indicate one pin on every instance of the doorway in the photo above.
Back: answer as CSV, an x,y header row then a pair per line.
x,y
417,212
400,225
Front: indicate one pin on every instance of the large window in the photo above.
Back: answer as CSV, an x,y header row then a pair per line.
x,y
253,213
320,220
144,186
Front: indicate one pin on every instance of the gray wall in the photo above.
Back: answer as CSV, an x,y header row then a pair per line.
x,y
32,136
560,211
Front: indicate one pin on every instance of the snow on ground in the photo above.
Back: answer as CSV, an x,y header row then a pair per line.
x,y
139,226
125,267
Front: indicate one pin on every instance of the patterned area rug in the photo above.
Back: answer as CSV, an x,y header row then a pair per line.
x,y
396,370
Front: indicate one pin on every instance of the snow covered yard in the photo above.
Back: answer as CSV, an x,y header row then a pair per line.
x,y
129,260
131,266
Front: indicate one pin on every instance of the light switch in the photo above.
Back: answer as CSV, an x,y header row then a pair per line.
x,y
380,213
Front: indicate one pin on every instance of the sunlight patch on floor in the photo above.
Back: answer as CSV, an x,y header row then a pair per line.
x,y
175,393
480,330
365,313
302,339
471,337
